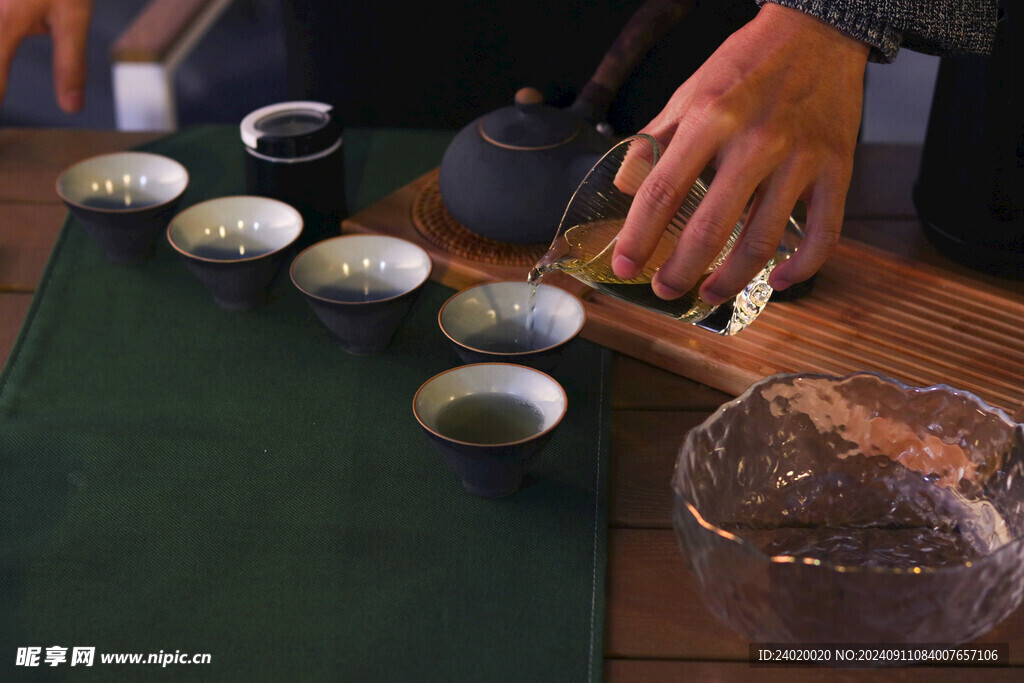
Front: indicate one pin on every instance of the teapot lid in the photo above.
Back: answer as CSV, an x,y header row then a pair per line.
x,y
529,124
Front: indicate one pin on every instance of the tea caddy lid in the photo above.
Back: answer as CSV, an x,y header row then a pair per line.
x,y
291,130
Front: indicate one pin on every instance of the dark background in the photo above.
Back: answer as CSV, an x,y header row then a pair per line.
x,y
240,65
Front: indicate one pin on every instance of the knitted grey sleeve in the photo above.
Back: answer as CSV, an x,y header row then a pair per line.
x,y
938,27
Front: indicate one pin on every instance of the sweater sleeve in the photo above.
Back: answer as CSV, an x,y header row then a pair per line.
x,y
937,27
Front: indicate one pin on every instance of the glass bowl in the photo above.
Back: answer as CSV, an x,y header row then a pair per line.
x,y
857,509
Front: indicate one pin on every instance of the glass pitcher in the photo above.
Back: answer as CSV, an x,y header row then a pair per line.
x,y
595,214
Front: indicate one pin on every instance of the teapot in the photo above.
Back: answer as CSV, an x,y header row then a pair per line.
x,y
510,173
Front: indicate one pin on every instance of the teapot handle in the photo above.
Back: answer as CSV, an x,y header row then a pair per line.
x,y
648,24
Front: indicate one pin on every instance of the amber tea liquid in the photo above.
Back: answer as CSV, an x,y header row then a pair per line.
x,y
583,258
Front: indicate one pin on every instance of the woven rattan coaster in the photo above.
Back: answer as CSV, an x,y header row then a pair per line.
x,y
437,226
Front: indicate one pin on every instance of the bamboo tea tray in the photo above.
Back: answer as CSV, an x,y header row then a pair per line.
x,y
868,310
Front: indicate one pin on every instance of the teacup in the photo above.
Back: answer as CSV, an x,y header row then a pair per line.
x,y
362,286
490,422
512,321
123,200
234,245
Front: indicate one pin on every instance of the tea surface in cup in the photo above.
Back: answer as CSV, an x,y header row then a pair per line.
x,y
490,419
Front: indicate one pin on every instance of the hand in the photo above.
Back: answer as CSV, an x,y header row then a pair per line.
x,y
67,22
775,110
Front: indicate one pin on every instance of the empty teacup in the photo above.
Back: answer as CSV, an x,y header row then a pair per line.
x,y
490,421
123,200
512,321
234,245
361,286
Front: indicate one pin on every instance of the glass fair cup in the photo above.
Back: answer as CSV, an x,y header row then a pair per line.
x,y
586,239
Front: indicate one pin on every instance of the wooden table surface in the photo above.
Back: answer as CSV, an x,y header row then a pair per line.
x,y
657,628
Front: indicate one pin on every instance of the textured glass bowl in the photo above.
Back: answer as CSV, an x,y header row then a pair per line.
x,y
855,509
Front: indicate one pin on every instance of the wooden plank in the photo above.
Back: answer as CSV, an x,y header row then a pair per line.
x,y
13,308
869,310
655,610
644,446
727,364
26,240
31,159
905,237
641,386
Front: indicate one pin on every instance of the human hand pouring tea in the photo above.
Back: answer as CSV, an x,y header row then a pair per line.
x,y
592,225
775,130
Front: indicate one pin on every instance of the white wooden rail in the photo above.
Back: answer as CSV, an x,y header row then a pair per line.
x,y
146,55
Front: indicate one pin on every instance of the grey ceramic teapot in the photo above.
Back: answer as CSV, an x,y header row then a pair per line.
x,y
509,174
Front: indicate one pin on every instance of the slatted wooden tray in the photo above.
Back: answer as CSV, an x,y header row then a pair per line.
x,y
868,310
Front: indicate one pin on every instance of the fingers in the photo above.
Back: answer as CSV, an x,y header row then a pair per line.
x,y
710,228
824,222
67,21
13,27
6,52
759,241
69,26
657,201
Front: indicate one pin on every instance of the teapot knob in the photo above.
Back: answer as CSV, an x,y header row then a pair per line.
x,y
528,96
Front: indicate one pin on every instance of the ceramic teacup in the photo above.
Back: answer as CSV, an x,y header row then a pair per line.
x,y
235,245
123,200
490,421
510,321
361,286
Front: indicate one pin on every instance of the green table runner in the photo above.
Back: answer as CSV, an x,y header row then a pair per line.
x,y
179,479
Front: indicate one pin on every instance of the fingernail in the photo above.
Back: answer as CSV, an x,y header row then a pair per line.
x,y
713,298
665,292
624,267
778,283
72,100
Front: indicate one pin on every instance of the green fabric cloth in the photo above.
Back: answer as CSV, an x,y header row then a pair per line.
x,y
177,477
